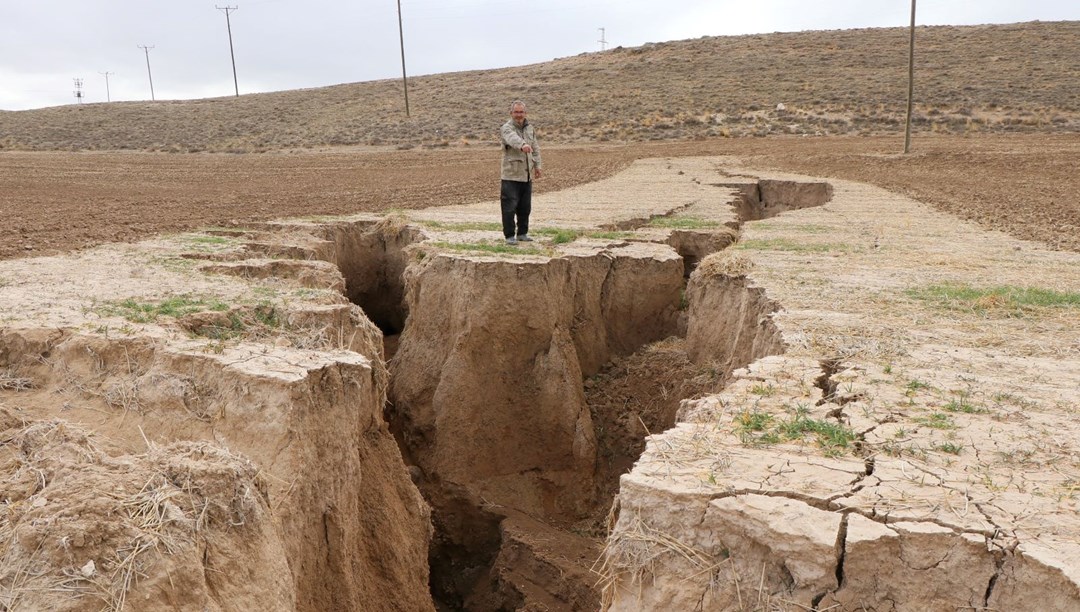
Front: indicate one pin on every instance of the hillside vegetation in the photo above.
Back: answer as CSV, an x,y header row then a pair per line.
x,y
971,79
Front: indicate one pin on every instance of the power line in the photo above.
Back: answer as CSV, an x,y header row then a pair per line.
x,y
228,24
148,74
108,96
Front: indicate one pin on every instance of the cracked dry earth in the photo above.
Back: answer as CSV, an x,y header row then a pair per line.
x,y
330,415
958,487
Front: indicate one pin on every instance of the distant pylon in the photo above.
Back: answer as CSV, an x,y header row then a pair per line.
x,y
603,43
78,90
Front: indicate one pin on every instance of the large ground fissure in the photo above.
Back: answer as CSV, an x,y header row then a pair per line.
x,y
521,389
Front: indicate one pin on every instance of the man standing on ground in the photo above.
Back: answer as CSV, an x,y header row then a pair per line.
x,y
520,165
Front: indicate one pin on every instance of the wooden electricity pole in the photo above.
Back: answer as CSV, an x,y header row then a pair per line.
x,y
108,96
401,35
910,81
148,74
228,25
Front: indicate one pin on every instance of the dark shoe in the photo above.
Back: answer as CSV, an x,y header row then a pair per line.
x,y
524,238
511,241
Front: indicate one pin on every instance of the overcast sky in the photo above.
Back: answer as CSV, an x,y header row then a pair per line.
x,y
292,44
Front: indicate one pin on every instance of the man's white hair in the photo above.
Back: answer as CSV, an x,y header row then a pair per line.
x,y
517,103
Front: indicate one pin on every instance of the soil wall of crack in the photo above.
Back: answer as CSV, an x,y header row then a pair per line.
x,y
239,483
522,390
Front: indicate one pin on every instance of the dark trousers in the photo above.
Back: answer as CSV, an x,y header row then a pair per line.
x,y
516,201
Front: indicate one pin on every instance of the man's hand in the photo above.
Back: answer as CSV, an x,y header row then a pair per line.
x,y
526,148
537,172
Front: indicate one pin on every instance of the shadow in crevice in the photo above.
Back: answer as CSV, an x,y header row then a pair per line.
x,y
768,198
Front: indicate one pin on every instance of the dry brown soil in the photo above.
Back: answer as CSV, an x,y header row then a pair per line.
x,y
54,202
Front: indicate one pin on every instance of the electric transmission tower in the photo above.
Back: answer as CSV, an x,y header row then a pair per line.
x,y
108,97
78,90
148,73
228,24
602,41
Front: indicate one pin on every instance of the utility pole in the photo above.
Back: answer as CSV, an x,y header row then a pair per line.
x,y
404,79
108,97
78,90
603,43
226,10
910,81
148,74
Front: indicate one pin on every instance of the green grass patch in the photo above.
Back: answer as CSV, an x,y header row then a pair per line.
x,y
610,235
145,312
244,322
915,385
763,390
559,235
962,403
951,448
683,223
832,436
474,226
805,228
211,240
761,428
1007,299
488,247
783,244
937,420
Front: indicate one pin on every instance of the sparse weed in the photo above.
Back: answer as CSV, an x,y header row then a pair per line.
x,y
210,240
806,228
962,404
1013,399
937,420
763,390
914,385
145,312
1005,300
950,447
683,223
783,244
831,436
469,226
254,322
761,428
610,235
559,235
754,420
489,247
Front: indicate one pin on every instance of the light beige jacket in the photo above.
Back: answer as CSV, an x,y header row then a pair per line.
x,y
517,166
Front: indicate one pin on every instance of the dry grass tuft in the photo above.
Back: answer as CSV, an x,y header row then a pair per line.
x,y
10,382
725,263
631,552
134,511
